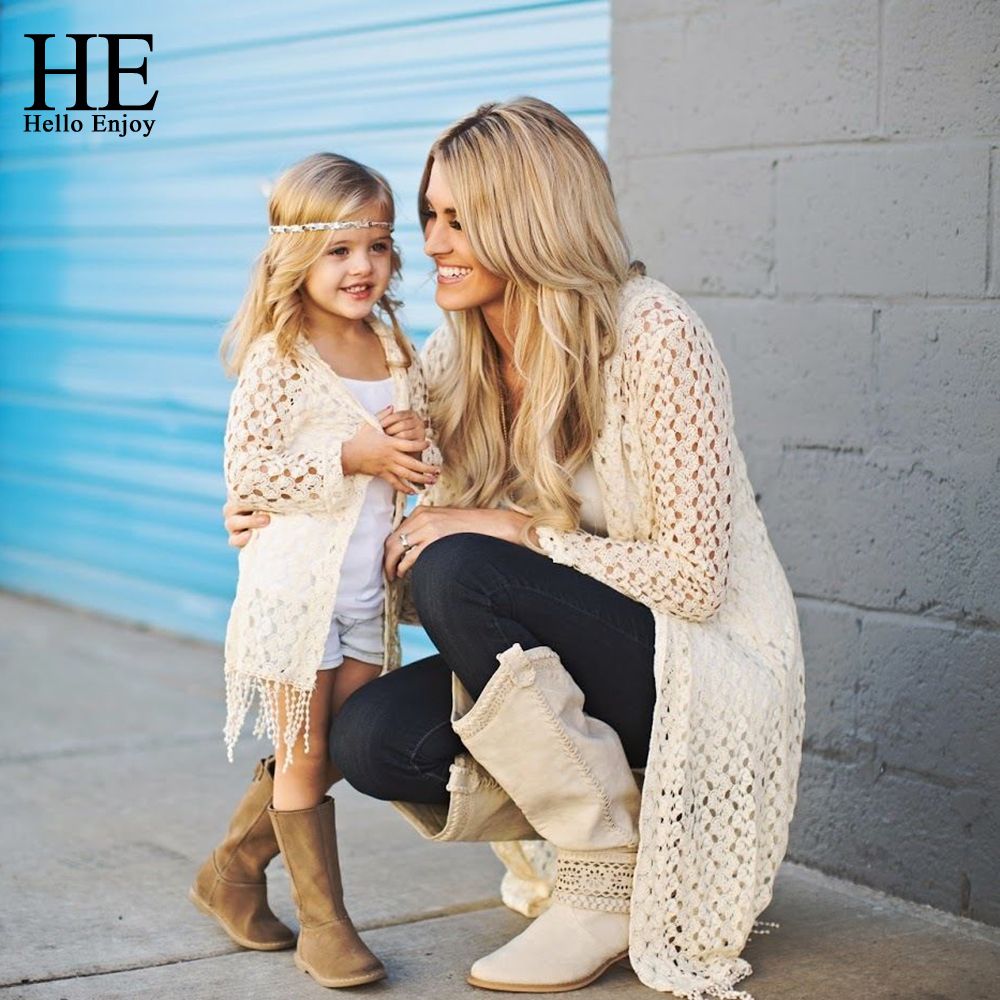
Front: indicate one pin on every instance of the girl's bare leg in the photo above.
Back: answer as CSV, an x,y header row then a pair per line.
x,y
305,782
349,676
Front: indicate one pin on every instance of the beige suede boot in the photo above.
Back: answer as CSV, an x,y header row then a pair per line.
x,y
230,886
568,774
329,948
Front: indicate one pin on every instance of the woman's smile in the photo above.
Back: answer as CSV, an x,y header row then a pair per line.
x,y
459,286
448,275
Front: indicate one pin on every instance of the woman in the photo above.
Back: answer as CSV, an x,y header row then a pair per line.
x,y
593,542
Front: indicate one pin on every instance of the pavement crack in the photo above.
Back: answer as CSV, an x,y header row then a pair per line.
x,y
374,925
438,914
136,967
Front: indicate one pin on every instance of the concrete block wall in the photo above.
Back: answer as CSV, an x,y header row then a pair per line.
x,y
820,179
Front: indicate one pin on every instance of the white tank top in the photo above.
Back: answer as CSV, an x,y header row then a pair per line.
x,y
592,512
362,590
585,485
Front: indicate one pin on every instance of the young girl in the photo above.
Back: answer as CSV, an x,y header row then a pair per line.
x,y
326,430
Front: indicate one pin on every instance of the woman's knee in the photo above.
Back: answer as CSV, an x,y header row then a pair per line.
x,y
450,571
358,741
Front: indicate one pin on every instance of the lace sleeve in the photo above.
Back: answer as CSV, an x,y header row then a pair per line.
x,y
677,399
422,381
263,468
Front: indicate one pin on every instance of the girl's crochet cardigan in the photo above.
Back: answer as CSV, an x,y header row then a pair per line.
x,y
288,418
686,539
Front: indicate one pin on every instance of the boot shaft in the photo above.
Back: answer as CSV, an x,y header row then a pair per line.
x,y
308,842
250,844
566,770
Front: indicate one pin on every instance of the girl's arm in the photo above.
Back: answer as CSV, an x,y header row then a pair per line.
x,y
263,472
676,396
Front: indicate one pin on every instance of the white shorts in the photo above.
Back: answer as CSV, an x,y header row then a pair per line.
x,y
359,638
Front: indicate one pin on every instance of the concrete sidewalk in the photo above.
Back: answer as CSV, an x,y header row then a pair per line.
x,y
115,785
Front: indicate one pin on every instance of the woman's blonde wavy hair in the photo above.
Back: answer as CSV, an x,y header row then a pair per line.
x,y
534,197
324,187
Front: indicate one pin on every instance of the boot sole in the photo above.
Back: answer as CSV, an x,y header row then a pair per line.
x,y
368,977
238,938
485,984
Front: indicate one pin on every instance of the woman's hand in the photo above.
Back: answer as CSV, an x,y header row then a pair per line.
x,y
428,524
240,522
395,459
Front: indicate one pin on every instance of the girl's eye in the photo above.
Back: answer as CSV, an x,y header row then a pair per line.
x,y
380,247
340,251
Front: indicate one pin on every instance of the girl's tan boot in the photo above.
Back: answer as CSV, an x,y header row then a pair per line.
x,y
329,948
230,886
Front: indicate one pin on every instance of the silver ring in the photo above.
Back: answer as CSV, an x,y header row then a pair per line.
x,y
406,545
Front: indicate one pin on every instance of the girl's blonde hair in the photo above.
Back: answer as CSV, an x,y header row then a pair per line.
x,y
324,187
534,197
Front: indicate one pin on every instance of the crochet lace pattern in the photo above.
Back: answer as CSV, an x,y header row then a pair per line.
x,y
674,400
288,419
595,880
686,539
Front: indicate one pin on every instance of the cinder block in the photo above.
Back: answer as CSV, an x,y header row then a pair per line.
x,y
744,74
883,531
704,223
927,699
830,646
939,378
994,276
940,72
801,372
883,221
900,834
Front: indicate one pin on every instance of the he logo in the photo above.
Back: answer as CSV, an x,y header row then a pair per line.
x,y
100,123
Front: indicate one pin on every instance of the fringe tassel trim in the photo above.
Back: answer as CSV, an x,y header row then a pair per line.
x,y
720,992
277,703
716,993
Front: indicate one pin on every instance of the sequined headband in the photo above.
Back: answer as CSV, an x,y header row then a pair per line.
x,y
311,227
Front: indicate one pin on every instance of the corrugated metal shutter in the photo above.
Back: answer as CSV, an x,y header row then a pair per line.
x,y
122,259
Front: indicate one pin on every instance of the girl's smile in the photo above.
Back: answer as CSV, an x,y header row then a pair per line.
x,y
353,273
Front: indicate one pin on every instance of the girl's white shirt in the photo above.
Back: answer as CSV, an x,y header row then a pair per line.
x,y
362,587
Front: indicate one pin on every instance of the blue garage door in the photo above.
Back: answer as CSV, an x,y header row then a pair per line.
x,y
122,258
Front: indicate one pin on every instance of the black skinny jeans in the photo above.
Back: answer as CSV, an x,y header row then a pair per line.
x,y
476,596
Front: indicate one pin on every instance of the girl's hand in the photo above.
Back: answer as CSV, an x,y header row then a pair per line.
x,y
240,522
402,424
428,524
373,452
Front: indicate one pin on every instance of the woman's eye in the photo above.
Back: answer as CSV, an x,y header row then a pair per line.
x,y
455,224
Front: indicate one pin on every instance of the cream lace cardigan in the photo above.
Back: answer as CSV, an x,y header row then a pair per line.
x,y
686,539
288,418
